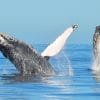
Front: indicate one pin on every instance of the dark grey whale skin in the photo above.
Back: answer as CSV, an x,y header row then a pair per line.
x,y
24,57
96,36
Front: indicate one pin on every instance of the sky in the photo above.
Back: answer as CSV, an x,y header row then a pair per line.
x,y
41,21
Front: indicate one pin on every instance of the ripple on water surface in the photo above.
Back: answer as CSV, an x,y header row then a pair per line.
x,y
74,59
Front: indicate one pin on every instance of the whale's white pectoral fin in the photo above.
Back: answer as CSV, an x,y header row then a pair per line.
x,y
54,48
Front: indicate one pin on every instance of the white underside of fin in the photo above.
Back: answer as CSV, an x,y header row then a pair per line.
x,y
55,47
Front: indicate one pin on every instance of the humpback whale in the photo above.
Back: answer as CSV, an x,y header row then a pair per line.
x,y
26,59
96,49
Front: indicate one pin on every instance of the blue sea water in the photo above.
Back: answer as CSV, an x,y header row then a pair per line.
x,y
73,80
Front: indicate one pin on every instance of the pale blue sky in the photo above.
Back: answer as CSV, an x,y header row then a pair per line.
x,y
41,21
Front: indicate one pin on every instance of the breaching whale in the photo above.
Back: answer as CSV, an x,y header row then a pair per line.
x,y
96,48
26,59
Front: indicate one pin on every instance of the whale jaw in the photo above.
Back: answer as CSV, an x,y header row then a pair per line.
x,y
24,57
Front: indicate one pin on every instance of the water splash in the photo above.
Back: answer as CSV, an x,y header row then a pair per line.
x,y
63,64
96,69
96,64
70,71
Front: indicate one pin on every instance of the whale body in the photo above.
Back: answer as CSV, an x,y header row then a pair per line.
x,y
23,56
96,48
26,59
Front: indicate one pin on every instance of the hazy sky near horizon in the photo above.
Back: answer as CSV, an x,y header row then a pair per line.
x,y
41,21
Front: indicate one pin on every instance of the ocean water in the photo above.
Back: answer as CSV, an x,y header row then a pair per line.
x,y
73,80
